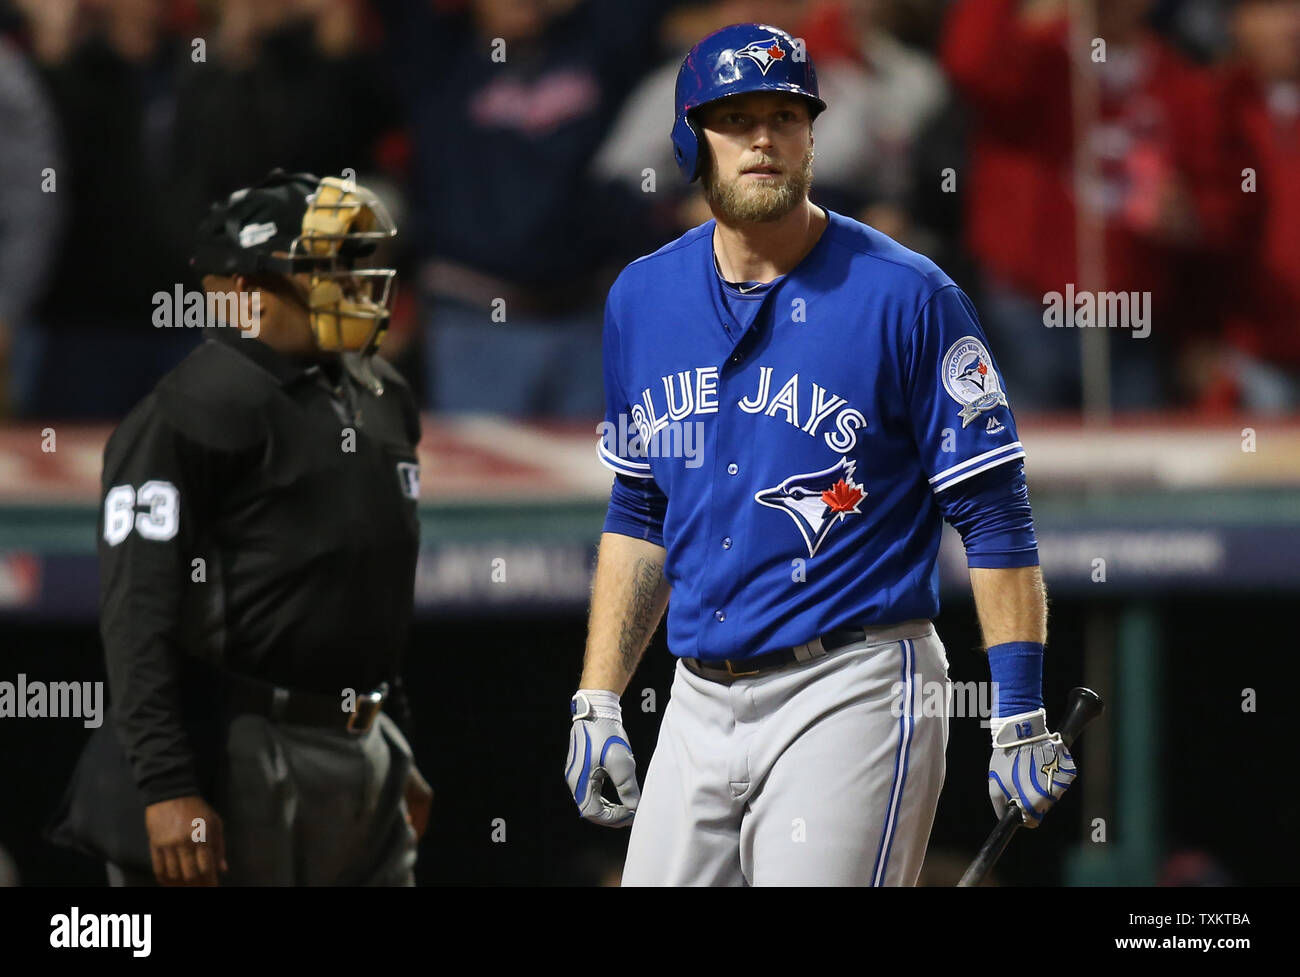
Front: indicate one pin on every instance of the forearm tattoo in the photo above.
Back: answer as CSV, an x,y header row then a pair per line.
x,y
640,621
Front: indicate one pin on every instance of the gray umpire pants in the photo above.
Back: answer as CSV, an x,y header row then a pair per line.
x,y
302,805
821,773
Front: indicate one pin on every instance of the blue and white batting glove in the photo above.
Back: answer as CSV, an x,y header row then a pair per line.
x,y
598,748
1030,768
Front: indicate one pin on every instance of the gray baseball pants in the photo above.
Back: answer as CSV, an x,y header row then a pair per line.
x,y
307,806
825,772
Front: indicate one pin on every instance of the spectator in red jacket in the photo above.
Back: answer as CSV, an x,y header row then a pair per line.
x,y
1260,367
1154,182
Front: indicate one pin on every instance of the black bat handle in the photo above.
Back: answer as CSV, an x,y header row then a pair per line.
x,y
1081,708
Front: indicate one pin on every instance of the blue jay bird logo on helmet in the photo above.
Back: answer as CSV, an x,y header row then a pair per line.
x,y
763,53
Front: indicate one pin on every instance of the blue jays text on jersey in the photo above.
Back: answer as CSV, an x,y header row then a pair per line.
x,y
859,387
689,393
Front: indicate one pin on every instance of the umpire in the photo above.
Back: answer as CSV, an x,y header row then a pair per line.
x,y
257,548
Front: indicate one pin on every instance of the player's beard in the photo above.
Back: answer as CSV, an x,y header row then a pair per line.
x,y
739,200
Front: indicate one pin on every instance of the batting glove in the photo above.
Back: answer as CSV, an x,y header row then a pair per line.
x,y
598,748
1030,768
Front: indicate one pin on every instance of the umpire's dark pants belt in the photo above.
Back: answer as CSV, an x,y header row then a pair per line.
x,y
244,694
727,671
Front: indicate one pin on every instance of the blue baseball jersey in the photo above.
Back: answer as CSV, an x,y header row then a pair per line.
x,y
799,434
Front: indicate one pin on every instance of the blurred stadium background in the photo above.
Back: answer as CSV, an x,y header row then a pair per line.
x,y
1171,166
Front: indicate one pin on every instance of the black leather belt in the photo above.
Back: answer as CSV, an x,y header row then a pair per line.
x,y
731,669
244,694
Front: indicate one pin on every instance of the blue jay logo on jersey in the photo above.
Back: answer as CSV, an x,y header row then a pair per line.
x,y
970,379
817,501
763,53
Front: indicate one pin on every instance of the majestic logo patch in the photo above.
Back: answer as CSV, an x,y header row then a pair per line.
x,y
251,235
763,53
408,476
970,379
817,501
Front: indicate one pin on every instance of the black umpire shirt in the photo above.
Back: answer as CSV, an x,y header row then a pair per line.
x,y
259,516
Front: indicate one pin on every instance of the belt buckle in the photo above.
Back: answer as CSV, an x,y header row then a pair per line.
x,y
735,674
368,707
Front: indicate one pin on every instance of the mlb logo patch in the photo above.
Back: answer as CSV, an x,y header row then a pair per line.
x,y
408,476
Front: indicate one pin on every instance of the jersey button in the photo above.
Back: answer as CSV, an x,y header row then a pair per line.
x,y
726,542
733,468
720,616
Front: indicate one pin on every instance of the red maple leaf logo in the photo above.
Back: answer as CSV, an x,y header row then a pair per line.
x,y
776,53
983,368
841,497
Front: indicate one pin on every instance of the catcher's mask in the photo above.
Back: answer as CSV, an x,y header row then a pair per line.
x,y
296,223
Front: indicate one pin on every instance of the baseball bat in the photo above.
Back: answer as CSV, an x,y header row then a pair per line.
x,y
1081,707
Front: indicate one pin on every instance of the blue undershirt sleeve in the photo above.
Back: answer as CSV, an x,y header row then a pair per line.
x,y
991,512
636,509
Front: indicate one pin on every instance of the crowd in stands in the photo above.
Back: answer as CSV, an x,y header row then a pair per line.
x,y
522,146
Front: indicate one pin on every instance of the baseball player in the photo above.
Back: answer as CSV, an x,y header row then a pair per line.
x,y
257,549
795,403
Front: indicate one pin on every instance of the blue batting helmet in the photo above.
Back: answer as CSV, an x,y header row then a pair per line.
x,y
736,60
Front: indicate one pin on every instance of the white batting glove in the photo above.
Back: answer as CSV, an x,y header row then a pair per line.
x,y
1030,767
598,748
